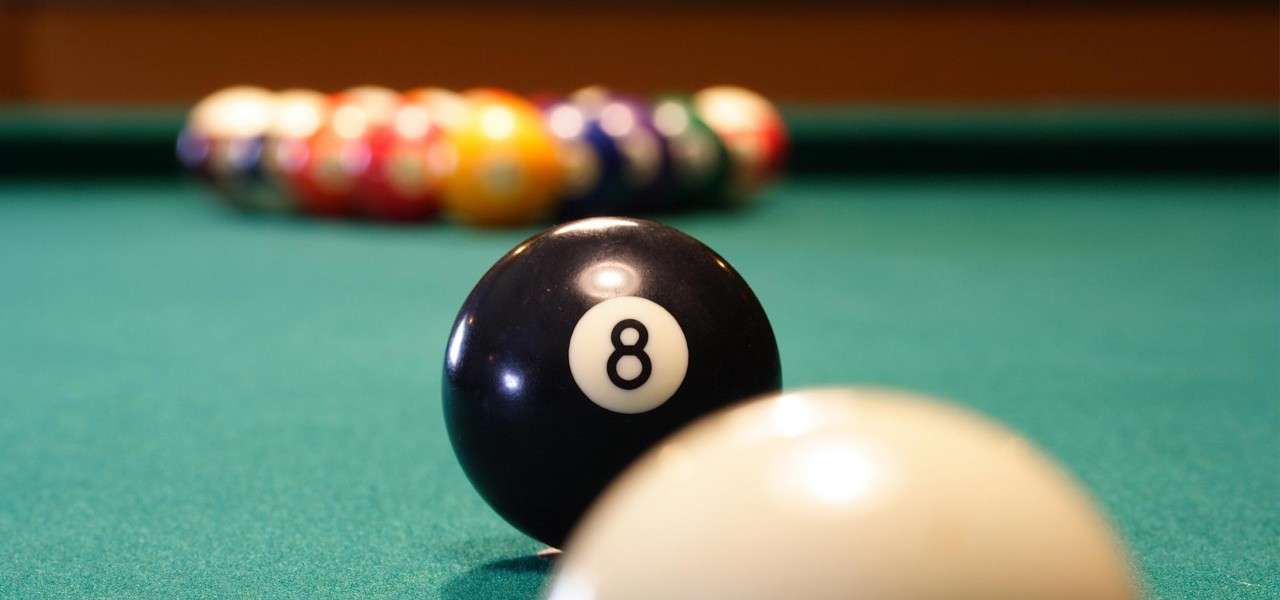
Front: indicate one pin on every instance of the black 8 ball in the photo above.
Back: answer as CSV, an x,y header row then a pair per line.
x,y
584,346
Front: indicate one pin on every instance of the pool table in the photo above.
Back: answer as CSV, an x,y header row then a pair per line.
x,y
200,403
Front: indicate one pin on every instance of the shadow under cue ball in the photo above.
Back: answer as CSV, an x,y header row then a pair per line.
x,y
845,493
583,347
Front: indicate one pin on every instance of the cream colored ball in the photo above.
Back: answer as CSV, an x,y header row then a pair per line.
x,y
845,493
237,112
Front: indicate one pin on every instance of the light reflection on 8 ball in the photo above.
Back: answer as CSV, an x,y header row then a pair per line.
x,y
584,346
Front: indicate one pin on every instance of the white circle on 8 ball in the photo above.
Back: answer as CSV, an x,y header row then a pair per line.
x,y
628,354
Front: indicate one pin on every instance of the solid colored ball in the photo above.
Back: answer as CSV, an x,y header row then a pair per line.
x,y
447,108
357,110
615,162
409,161
592,164
845,493
324,170
506,166
581,348
752,130
700,164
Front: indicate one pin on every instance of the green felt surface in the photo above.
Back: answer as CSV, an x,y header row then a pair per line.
x,y
198,404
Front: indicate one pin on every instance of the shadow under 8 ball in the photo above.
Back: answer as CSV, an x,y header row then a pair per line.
x,y
584,346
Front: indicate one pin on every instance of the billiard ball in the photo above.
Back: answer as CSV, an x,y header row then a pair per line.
x,y
700,163
752,130
324,170
506,166
249,168
591,160
446,108
238,172
298,115
582,347
237,111
357,109
629,123
615,162
845,493
223,142
409,159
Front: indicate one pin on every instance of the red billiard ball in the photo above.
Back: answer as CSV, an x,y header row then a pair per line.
x,y
324,170
409,159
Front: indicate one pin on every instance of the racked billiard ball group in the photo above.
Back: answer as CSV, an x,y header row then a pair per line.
x,y
484,157
612,387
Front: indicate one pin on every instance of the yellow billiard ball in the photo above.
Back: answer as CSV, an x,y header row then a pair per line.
x,y
506,167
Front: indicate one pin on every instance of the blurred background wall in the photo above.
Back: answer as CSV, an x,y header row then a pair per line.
x,y
72,52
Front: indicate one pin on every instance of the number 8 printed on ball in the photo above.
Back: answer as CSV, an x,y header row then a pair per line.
x,y
618,335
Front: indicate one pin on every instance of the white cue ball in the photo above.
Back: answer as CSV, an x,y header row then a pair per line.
x,y
845,493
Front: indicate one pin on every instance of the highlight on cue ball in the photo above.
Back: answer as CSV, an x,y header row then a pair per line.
x,y
844,493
